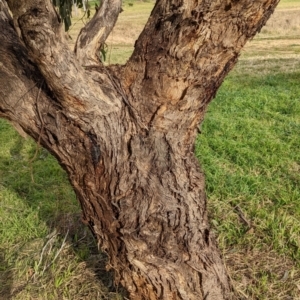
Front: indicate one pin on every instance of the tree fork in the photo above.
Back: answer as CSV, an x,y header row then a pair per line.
x,y
125,134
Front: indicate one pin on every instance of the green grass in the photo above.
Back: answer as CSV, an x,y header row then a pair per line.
x,y
45,251
249,150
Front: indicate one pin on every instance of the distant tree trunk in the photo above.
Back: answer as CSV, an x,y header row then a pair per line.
x,y
125,134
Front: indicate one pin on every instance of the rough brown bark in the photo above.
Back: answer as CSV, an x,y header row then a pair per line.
x,y
93,36
125,134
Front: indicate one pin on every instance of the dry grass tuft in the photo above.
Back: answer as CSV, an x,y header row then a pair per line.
x,y
285,22
64,265
262,274
279,38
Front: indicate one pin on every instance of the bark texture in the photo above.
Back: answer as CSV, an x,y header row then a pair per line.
x,y
125,134
93,36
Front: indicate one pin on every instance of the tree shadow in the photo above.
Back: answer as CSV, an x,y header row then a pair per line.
x,y
6,278
36,178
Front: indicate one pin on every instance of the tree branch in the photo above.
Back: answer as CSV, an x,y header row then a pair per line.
x,y
24,100
193,46
92,37
18,105
73,87
32,107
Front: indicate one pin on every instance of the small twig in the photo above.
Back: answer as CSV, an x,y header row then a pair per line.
x,y
24,95
57,253
242,293
80,19
242,216
52,235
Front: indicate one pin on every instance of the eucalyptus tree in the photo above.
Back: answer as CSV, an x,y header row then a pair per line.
x,y
125,134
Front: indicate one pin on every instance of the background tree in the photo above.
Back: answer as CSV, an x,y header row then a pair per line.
x,y
125,134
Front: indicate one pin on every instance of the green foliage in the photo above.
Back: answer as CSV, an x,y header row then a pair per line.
x,y
64,8
103,52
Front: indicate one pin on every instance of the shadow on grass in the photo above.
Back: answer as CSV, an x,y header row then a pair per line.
x,y
5,278
35,177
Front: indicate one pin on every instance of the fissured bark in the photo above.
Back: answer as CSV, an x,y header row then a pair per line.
x,y
125,134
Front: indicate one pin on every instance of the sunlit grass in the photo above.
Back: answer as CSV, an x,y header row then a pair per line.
x,y
249,150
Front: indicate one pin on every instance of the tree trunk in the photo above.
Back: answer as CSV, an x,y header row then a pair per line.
x,y
125,134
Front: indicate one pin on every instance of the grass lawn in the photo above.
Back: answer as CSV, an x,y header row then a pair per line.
x,y
249,150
